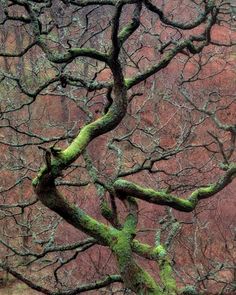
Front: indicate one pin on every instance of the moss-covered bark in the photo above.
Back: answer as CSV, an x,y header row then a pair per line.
x,y
163,198
120,239
134,277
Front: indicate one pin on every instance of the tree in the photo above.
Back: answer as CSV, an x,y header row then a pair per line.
x,y
94,84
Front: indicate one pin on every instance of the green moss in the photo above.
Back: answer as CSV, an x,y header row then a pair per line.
x,y
39,176
96,229
133,275
146,284
77,145
189,290
199,193
206,190
128,30
88,132
152,196
121,247
35,181
166,275
144,250
135,278
105,210
129,82
161,252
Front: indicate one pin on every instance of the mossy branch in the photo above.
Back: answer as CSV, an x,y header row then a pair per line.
x,y
160,255
127,31
54,200
134,276
71,54
164,198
